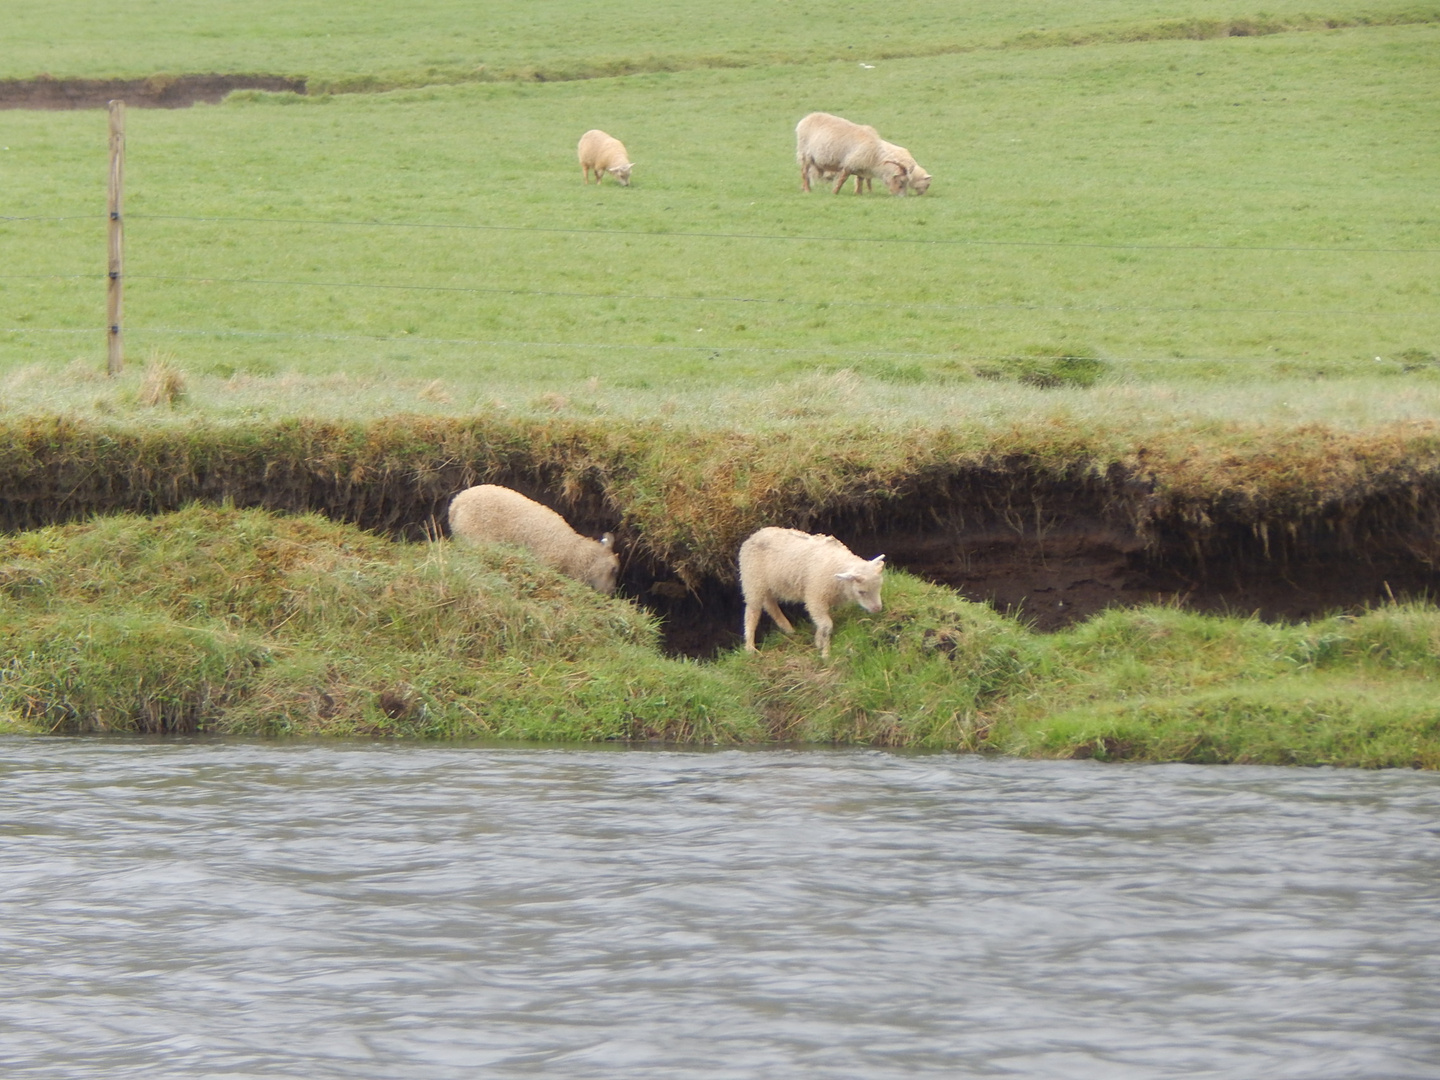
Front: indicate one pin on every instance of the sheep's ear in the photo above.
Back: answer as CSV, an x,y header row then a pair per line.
x,y
608,541
878,562
847,575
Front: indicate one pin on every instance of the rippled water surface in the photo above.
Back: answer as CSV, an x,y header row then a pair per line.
x,y
270,910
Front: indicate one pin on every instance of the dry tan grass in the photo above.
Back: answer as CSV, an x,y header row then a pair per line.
x,y
162,383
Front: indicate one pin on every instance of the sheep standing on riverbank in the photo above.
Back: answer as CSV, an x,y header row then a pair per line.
x,y
603,153
789,566
492,514
832,145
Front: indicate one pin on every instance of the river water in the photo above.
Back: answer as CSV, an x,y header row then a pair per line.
x,y
238,909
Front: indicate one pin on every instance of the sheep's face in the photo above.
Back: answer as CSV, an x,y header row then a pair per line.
x,y
862,584
622,173
605,572
919,180
605,575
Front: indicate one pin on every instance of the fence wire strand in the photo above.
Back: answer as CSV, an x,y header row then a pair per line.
x,y
893,305
665,298
588,346
798,237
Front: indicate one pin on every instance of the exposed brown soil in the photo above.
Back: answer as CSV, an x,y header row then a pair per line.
x,y
1068,578
155,92
1077,569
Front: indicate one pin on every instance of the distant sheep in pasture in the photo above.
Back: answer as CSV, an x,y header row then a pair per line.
x,y
833,146
789,566
604,153
492,514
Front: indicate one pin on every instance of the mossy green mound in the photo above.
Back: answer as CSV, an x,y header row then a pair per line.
x,y
1165,685
247,622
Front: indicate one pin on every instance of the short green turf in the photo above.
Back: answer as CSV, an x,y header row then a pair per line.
x,y
1228,210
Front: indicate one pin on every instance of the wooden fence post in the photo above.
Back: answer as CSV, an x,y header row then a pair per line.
x,y
115,292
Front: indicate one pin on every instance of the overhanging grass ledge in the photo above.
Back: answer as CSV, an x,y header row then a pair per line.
x,y
1291,522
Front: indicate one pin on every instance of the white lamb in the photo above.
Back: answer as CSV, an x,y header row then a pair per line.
x,y
832,145
604,153
787,565
492,514
917,180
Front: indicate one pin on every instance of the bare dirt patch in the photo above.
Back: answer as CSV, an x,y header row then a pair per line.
x,y
154,92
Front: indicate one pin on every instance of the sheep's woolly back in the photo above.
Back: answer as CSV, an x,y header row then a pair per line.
x,y
795,566
787,566
603,153
493,514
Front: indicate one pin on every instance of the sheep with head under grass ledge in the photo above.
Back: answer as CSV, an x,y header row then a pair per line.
x,y
789,566
604,153
498,515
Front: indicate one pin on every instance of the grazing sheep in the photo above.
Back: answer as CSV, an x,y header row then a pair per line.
x,y
604,153
832,145
789,565
917,180
492,514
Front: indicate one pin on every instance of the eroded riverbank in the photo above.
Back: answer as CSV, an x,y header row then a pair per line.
x,y
1052,524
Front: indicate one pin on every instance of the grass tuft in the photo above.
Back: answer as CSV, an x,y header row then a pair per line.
x,y
163,382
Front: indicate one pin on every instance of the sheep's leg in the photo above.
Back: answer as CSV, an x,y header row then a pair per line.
x,y
859,182
823,627
752,623
772,608
805,176
840,183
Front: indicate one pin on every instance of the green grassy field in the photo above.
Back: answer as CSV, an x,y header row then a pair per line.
x,y
1232,210
1193,229
370,44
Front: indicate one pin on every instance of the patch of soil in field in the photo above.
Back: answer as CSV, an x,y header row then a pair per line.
x,y
155,92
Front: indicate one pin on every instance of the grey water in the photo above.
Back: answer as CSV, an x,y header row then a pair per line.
x,y
241,909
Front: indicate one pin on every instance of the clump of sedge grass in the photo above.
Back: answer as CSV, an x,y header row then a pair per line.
x,y
163,383
1046,372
